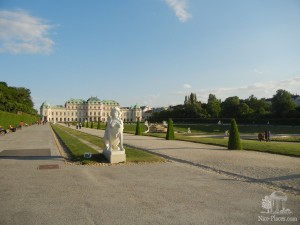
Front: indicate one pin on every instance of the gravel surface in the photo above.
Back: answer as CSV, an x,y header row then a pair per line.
x,y
160,193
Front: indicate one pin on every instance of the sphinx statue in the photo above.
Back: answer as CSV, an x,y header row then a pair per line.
x,y
113,136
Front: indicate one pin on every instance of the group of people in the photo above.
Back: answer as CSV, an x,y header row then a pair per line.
x,y
264,136
10,128
78,125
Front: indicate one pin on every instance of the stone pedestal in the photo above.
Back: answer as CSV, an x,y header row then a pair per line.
x,y
115,156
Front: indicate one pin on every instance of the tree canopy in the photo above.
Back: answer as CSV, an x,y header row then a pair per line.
x,y
15,99
252,108
282,103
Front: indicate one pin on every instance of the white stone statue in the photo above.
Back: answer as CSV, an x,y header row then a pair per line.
x,y
113,136
165,124
147,125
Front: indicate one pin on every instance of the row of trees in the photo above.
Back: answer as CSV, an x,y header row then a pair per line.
x,y
280,106
15,99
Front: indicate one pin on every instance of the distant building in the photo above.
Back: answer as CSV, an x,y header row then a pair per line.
x,y
92,110
147,115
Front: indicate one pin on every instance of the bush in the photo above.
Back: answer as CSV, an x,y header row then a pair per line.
x,y
92,124
87,125
170,131
98,125
138,130
234,141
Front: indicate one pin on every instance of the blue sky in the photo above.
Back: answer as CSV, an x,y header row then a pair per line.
x,y
150,52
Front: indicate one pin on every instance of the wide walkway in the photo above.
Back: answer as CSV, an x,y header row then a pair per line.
x,y
176,193
263,168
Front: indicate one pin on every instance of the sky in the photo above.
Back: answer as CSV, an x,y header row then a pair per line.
x,y
150,52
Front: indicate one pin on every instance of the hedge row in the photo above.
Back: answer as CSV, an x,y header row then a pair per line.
x,y
14,119
271,121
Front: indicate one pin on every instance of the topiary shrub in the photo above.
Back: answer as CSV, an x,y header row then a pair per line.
x,y
234,141
92,124
87,124
98,125
138,130
170,132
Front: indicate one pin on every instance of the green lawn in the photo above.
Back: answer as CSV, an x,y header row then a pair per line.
x,y
278,147
14,119
132,154
220,129
291,149
76,147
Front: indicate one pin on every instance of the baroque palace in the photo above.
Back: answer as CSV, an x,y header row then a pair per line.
x,y
92,110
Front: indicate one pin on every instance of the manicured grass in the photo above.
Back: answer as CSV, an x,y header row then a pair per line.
x,y
76,147
291,149
130,128
137,156
132,154
220,129
87,137
284,148
14,119
286,139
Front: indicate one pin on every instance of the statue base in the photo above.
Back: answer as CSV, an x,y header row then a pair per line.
x,y
115,156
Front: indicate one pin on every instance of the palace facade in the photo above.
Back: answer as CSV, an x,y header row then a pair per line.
x,y
92,110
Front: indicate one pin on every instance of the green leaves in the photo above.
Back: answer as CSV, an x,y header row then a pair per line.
x,y
14,99
138,130
170,132
234,141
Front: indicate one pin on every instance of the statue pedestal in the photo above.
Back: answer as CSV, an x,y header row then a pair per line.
x,y
115,156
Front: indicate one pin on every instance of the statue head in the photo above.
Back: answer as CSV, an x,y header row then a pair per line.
x,y
115,113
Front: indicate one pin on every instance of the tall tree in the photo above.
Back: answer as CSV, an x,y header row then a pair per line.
x,y
14,99
282,103
213,106
258,107
230,107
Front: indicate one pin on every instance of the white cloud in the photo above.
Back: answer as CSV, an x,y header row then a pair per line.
x,y
187,86
258,71
22,33
180,9
259,90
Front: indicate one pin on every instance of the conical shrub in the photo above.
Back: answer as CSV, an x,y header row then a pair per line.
x,y
92,124
138,130
98,125
234,141
87,124
170,132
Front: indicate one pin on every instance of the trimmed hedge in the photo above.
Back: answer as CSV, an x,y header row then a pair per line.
x,y
138,129
14,119
170,132
234,141
272,121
